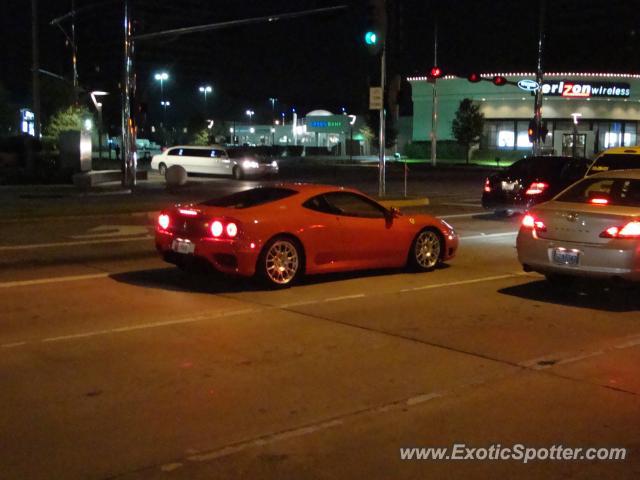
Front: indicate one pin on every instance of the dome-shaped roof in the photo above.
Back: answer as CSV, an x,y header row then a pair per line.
x,y
319,113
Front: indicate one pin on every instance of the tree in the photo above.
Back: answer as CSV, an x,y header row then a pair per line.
x,y
64,120
467,125
202,137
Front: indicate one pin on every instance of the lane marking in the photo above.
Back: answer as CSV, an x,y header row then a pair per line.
x,y
9,248
13,345
487,235
344,297
145,326
42,281
465,282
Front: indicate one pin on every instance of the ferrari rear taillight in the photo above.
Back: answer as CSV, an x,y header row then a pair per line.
x,y
216,228
232,229
630,230
536,188
487,186
599,201
223,229
531,222
164,221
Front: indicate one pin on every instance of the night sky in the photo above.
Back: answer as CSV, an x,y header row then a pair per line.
x,y
315,62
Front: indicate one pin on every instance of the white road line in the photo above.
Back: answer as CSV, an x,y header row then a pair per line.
x,y
344,297
464,282
144,326
10,248
265,440
487,235
42,281
12,345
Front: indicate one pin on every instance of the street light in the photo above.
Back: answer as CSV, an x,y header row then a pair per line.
x,y
98,105
250,114
204,89
162,77
165,104
273,101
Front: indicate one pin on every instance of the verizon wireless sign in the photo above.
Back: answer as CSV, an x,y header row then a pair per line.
x,y
571,89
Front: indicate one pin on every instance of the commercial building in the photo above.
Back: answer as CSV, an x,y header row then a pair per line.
x,y
597,110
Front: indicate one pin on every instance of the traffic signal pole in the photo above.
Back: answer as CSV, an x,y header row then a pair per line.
x,y
381,133
128,89
537,109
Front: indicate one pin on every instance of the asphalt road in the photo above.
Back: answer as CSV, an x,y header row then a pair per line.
x,y
116,365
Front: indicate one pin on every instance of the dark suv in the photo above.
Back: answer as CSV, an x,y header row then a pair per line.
x,y
531,180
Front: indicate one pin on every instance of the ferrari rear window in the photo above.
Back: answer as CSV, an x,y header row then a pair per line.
x,y
251,198
610,191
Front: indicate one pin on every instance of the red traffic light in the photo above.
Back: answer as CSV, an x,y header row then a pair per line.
x,y
436,72
474,77
499,80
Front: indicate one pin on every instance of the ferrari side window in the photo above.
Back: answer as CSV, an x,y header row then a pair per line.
x,y
319,204
352,205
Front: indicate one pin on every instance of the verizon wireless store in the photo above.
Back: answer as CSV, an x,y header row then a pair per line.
x,y
598,110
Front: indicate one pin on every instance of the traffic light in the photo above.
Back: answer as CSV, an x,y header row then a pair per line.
x,y
532,131
435,72
499,80
376,25
474,77
370,38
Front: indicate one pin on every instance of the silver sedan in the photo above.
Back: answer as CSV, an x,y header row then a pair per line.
x,y
591,229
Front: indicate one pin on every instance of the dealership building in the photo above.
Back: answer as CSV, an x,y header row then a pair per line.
x,y
596,110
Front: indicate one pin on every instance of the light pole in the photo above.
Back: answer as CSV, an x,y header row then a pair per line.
x,y
162,77
205,89
98,106
250,114
273,101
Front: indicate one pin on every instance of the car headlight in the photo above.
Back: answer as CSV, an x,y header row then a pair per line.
x,y
250,164
274,164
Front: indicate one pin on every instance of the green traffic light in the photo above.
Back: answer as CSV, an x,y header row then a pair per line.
x,y
370,38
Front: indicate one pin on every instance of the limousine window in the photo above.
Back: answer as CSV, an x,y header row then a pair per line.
x,y
175,152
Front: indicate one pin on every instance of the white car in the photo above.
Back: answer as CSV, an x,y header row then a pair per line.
x,y
592,229
211,160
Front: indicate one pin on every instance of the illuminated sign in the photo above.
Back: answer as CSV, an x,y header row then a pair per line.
x,y
27,122
327,123
528,85
570,89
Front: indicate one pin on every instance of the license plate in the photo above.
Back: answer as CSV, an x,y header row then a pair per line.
x,y
565,257
183,246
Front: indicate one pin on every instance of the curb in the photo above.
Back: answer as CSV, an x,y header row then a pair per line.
x,y
409,202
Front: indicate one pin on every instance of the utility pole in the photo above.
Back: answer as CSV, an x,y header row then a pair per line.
x,y
74,52
537,109
434,104
35,68
128,87
382,187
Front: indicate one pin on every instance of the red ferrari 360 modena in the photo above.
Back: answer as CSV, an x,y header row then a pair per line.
x,y
279,233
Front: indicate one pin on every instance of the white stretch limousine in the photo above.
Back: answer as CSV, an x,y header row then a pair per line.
x,y
212,160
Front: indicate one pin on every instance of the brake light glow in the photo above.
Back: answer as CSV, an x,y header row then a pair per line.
x,y
232,229
536,188
630,230
599,201
164,221
529,221
487,186
188,212
216,228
